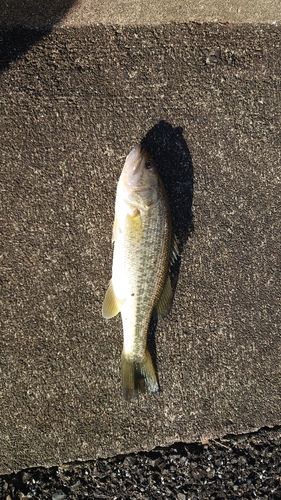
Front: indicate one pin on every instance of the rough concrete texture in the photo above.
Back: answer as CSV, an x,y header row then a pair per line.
x,y
137,12
72,106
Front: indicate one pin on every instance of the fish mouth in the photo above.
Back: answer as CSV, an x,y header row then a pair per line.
x,y
137,189
132,171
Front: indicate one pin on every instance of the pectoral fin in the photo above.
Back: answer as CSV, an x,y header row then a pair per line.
x,y
165,302
134,225
111,305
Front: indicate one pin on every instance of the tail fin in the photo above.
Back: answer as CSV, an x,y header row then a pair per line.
x,y
138,376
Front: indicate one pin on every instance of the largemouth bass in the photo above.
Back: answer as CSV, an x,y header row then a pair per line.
x,y
143,250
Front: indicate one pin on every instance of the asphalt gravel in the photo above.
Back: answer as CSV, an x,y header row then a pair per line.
x,y
247,466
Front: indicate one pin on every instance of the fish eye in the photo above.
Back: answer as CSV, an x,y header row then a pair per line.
x,y
148,165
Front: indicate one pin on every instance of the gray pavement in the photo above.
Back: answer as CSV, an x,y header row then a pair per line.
x,y
39,13
74,101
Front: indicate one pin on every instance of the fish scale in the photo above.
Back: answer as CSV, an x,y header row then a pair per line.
x,y
146,274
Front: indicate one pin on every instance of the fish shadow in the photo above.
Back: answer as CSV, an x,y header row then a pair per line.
x,y
168,148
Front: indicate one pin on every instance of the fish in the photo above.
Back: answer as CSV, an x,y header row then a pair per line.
x,y
144,250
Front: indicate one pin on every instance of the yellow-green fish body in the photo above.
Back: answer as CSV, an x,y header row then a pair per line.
x,y
140,284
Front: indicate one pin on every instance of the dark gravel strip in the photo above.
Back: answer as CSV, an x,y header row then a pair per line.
x,y
235,467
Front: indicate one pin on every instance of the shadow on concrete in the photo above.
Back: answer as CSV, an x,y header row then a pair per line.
x,y
23,24
170,152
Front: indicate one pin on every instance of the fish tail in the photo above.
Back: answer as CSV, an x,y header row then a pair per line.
x,y
138,375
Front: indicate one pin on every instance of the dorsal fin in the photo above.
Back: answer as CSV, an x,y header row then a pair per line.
x,y
165,301
174,253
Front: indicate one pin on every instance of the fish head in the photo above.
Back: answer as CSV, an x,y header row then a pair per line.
x,y
140,182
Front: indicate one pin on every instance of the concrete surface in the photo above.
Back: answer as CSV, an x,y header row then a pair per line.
x,y
73,103
40,13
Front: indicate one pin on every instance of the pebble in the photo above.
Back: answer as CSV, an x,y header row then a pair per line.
x,y
235,468
59,495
